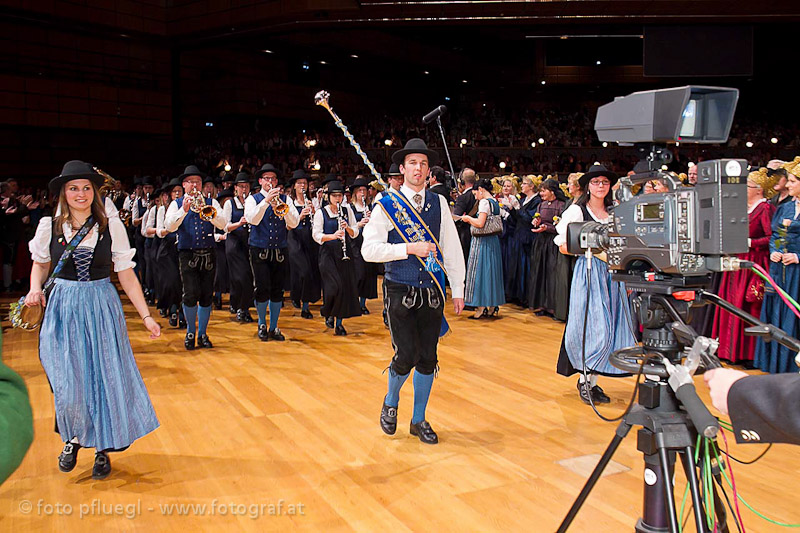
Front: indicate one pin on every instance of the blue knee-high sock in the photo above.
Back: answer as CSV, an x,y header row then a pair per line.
x,y
396,381
305,306
191,318
261,309
422,391
274,313
339,321
203,315
362,301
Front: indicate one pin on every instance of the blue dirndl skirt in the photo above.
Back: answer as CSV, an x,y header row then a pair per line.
x,y
100,397
484,283
609,327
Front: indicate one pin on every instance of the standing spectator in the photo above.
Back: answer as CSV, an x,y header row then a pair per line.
x,y
520,242
465,205
743,288
484,281
547,284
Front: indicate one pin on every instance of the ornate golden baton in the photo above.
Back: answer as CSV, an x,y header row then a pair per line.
x,y
321,98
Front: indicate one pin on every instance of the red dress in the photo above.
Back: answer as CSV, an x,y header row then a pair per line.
x,y
744,290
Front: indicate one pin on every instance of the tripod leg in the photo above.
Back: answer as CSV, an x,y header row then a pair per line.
x,y
666,478
622,431
690,468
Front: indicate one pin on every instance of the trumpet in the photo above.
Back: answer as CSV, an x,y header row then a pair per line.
x,y
199,206
279,207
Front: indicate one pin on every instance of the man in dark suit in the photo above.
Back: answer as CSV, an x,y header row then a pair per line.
x,y
762,408
437,184
465,205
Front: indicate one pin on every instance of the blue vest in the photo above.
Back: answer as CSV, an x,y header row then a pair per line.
x,y
330,225
410,271
236,216
194,233
271,232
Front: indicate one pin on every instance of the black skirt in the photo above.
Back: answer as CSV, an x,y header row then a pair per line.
x,y
221,276
366,273
548,287
339,286
306,283
168,283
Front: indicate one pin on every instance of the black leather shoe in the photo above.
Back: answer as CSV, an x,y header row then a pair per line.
x,y
204,342
340,331
181,322
364,310
232,310
173,320
162,313
102,466
389,419
240,316
584,391
296,305
263,334
599,396
329,322
188,342
306,314
276,335
425,432
247,318
68,457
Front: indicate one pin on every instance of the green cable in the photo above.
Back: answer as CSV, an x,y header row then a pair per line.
x,y
778,288
739,497
686,488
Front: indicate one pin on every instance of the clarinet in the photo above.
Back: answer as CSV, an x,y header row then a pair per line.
x,y
342,224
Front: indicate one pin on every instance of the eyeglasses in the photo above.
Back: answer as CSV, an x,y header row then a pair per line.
x,y
600,183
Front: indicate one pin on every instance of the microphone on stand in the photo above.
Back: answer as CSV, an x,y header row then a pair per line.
x,y
433,115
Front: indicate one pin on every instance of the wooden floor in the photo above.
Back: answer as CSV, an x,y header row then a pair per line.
x,y
274,436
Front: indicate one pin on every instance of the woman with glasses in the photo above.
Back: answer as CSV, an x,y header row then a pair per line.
x,y
591,337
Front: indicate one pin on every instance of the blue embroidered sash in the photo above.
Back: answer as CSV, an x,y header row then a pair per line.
x,y
409,225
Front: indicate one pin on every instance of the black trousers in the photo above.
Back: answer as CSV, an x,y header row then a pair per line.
x,y
240,272
415,318
197,274
269,272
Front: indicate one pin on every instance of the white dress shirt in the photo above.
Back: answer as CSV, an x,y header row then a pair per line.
x,y
254,212
148,220
377,249
161,218
121,251
175,216
317,229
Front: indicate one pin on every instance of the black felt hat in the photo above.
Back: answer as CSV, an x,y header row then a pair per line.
x,y
360,181
242,177
415,146
174,182
147,180
191,170
266,167
335,186
595,171
329,178
75,170
298,174
394,170
226,193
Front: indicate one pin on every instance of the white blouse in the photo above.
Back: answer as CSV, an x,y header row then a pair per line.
x,y
121,251
573,214
319,223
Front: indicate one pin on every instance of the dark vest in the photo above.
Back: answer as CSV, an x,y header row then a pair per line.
x,y
101,260
236,215
330,225
271,232
410,271
194,233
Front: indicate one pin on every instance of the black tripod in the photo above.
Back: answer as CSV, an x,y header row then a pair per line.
x,y
668,410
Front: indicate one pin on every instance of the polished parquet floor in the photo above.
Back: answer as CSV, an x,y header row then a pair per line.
x,y
276,436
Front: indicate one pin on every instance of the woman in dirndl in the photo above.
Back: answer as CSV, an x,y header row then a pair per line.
x,y
100,399
366,273
334,228
169,287
303,251
591,338
484,281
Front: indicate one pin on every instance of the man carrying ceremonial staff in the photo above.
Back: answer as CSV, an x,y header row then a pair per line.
x,y
413,233
269,248
196,255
